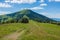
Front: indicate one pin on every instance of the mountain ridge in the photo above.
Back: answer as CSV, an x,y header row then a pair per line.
x,y
29,13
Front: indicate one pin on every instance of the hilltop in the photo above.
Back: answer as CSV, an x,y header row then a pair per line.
x,y
17,16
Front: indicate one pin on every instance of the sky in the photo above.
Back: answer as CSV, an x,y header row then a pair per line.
x,y
49,8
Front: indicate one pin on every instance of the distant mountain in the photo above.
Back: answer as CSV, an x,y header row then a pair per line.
x,y
29,13
57,19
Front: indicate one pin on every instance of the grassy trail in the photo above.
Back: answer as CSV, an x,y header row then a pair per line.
x,y
14,35
32,31
37,31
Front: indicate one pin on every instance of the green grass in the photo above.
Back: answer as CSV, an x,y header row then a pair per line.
x,y
41,31
50,28
34,31
6,29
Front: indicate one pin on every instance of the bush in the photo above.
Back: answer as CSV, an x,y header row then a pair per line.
x,y
58,23
25,19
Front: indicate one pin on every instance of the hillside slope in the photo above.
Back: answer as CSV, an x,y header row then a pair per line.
x,y
41,31
17,16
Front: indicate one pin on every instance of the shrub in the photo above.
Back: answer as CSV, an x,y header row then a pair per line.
x,y
25,19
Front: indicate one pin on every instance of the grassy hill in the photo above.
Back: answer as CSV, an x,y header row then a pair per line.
x,y
34,31
17,16
28,25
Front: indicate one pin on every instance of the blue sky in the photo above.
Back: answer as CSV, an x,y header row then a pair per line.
x,y
49,8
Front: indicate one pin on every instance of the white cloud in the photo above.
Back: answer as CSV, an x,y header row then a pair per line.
x,y
50,0
36,8
54,0
33,8
5,5
21,1
41,1
43,4
4,12
57,0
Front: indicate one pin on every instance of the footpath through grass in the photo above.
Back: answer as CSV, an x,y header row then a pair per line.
x,y
34,31
6,29
41,31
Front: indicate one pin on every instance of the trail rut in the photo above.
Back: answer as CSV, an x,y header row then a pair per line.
x,y
14,35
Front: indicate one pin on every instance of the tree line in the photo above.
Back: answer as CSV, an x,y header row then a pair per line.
x,y
24,19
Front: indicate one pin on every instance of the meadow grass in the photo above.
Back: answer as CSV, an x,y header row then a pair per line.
x,y
6,29
41,31
34,30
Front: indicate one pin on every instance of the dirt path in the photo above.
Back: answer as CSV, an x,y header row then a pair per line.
x,y
14,36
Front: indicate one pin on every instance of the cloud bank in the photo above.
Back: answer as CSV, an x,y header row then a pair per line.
x,y
5,5
54,0
21,1
34,8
